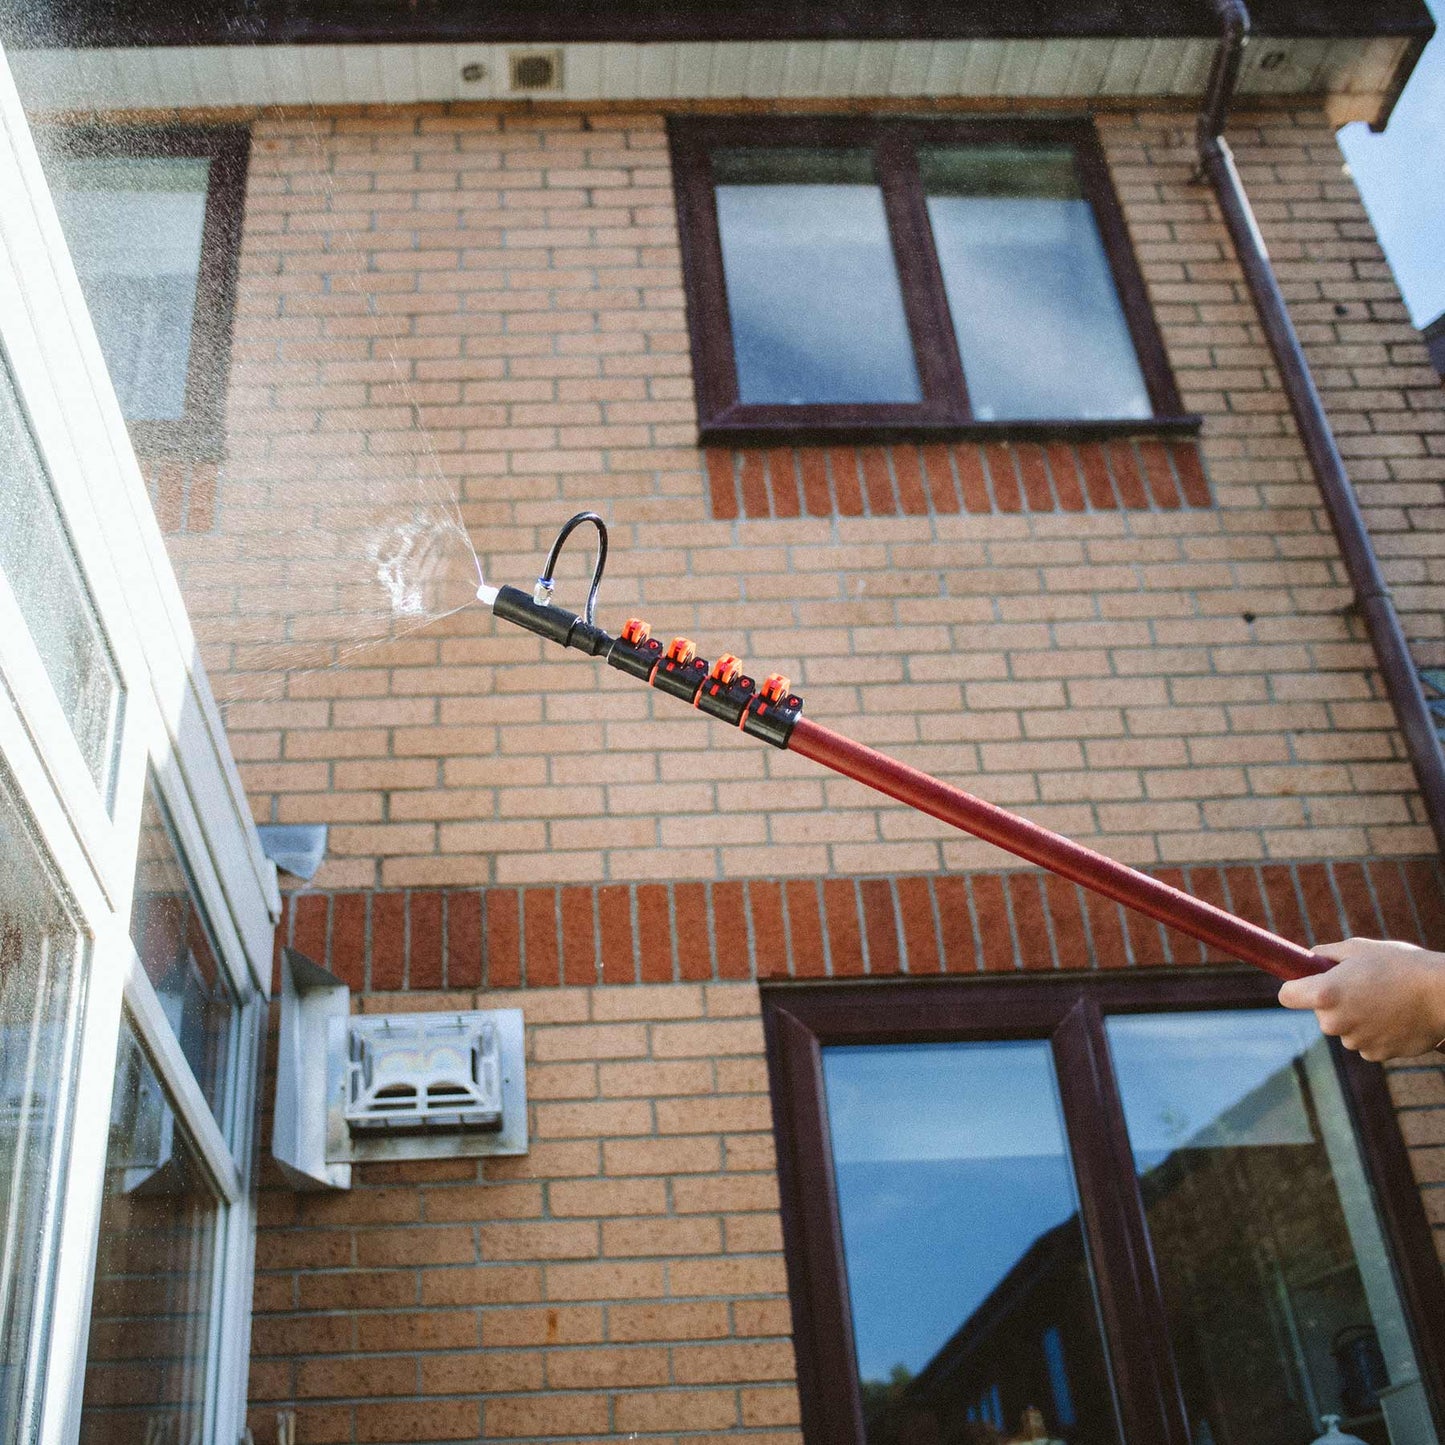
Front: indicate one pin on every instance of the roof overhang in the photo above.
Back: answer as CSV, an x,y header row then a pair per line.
x,y
130,23
160,54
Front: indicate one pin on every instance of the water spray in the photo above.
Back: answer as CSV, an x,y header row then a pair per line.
x,y
773,712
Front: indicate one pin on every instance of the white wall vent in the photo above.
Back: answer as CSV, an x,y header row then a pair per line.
x,y
534,70
389,1086
423,1071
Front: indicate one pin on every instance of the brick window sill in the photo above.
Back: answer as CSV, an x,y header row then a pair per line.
x,y
1123,473
723,433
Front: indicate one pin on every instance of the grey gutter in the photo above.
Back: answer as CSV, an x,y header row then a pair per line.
x,y
1372,592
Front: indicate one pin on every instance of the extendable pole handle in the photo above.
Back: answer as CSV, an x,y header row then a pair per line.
x,y
1210,925
773,714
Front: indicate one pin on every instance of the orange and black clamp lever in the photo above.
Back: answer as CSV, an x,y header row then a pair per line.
x,y
773,713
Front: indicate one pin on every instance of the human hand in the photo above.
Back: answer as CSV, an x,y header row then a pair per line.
x,y
1385,1000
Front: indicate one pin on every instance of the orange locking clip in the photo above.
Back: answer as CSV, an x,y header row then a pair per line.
x,y
681,651
636,631
726,669
775,689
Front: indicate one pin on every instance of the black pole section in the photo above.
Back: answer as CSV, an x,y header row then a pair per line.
x,y
1372,593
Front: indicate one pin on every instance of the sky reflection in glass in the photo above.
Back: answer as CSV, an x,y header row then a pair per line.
x,y
1040,328
950,1164
1277,1281
813,293
134,226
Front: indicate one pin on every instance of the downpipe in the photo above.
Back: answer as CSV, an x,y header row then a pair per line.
x,y
1372,596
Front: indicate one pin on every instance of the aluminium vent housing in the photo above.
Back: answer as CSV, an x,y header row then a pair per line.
x,y
530,71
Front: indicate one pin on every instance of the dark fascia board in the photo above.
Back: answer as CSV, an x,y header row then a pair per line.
x,y
82,23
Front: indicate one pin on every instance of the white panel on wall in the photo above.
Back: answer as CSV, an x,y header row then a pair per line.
x,y
765,70
840,66
46,73
875,64
1126,61
396,68
214,77
248,68
1090,66
729,70
1156,70
1376,63
985,61
803,68
325,79
582,72
1056,60
439,72
619,71
945,67
656,71
911,62
1194,67
692,73
360,72
285,75
245,76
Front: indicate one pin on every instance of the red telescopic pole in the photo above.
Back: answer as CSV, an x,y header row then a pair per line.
x,y
1058,854
774,714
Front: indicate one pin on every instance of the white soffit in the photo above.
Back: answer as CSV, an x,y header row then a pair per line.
x,y
1357,72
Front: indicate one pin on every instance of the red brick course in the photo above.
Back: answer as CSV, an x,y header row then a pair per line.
x,y
626,1275
912,481
833,928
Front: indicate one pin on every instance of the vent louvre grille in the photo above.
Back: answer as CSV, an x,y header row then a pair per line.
x,y
535,70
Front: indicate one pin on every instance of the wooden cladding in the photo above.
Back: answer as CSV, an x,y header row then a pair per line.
x,y
1144,474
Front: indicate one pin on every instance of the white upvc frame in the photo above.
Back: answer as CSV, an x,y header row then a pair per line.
x,y
171,728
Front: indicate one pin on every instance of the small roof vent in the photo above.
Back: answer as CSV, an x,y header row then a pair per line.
x,y
533,70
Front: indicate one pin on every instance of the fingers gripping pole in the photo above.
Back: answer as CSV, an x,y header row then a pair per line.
x,y
1059,855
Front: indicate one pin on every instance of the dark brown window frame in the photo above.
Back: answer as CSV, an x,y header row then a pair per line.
x,y
944,411
198,434
799,1021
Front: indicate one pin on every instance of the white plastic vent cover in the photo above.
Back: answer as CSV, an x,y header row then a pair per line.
x,y
422,1071
354,1088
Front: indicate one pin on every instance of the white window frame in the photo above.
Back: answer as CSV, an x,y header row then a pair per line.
x,y
170,725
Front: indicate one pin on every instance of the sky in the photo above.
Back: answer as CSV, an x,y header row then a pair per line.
x,y
1401,175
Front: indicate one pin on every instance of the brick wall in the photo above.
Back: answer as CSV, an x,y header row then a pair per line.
x,y
625,1276
1173,684
490,305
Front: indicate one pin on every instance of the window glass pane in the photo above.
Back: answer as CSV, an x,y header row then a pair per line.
x,y
973,1306
40,979
145,1370
36,558
134,228
180,956
1039,324
1281,1299
813,294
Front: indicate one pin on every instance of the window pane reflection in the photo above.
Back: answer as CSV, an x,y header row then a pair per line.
x,y
1281,1300
174,943
150,1322
39,1000
36,558
813,294
973,1307
1040,329
134,227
